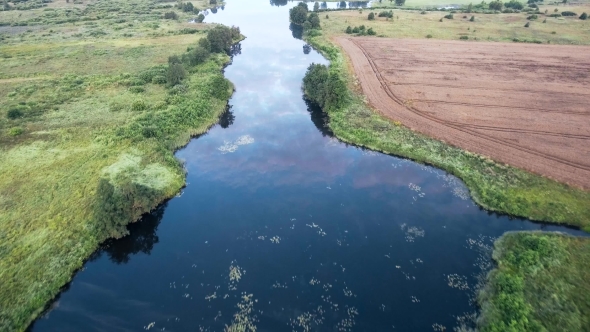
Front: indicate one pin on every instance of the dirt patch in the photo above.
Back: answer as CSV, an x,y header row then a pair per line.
x,y
520,104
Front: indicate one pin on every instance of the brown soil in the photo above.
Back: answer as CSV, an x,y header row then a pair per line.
x,y
520,104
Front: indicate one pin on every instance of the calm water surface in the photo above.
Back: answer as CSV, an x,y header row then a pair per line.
x,y
284,228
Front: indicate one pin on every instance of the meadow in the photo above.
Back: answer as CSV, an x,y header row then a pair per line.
x,y
96,96
503,27
540,284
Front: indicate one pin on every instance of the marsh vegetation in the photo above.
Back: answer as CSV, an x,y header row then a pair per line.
x,y
96,96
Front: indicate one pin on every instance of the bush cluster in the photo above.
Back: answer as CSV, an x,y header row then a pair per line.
x,y
514,5
299,15
568,13
388,14
362,30
325,88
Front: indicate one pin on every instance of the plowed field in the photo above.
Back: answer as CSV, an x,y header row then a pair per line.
x,y
526,105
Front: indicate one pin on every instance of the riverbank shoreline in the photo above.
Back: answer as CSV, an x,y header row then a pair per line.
x,y
495,187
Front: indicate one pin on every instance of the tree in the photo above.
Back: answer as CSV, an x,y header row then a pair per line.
x,y
496,5
200,18
371,16
469,8
176,73
314,20
349,30
400,2
170,16
583,16
472,19
514,4
220,38
298,14
198,55
316,6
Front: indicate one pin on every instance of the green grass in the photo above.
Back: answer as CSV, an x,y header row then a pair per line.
x,y
88,151
485,27
494,186
540,284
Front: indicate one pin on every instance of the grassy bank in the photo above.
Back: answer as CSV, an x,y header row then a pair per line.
x,y
93,107
495,186
540,284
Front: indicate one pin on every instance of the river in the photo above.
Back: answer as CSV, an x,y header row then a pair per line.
x,y
283,227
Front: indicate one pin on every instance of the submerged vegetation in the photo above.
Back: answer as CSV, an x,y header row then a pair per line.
x,y
541,284
95,99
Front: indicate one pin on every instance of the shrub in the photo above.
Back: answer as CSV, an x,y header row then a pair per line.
x,y
495,5
532,17
176,73
428,36
583,16
545,21
388,14
138,106
463,37
555,15
472,19
400,2
355,30
14,113
220,87
115,208
371,16
198,55
170,16
371,32
449,16
15,131
136,89
200,18
348,29
527,24
568,13
514,5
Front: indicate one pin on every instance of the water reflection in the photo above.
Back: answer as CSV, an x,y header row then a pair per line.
x,y
296,31
227,118
319,118
141,239
306,49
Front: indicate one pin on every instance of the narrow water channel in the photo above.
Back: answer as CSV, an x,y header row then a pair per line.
x,y
283,227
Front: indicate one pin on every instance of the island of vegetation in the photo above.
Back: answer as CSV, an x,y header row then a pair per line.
x,y
96,96
538,284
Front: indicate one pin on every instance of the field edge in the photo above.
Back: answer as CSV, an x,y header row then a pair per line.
x,y
529,195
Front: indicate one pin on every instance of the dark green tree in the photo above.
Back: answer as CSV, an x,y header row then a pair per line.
x,y
298,14
496,5
176,73
371,16
316,6
400,2
220,39
314,20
